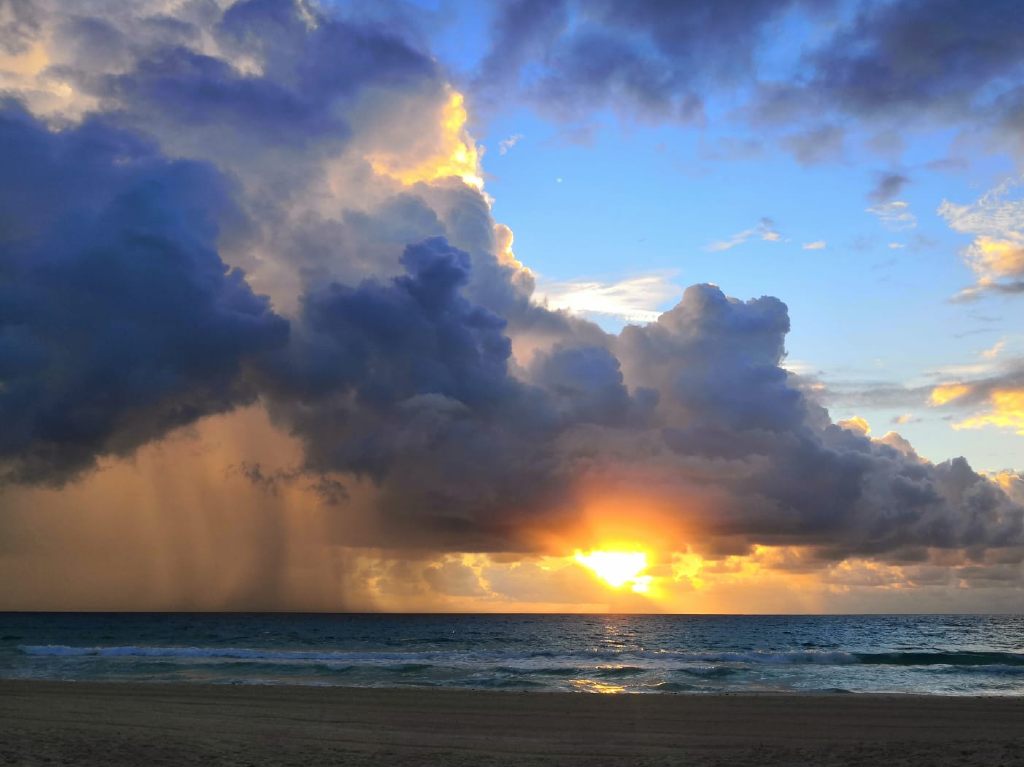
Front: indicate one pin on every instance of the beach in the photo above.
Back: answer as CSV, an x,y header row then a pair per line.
x,y
88,723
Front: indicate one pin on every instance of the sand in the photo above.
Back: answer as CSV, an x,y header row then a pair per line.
x,y
162,724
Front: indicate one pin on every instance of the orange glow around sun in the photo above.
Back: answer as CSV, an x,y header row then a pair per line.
x,y
618,568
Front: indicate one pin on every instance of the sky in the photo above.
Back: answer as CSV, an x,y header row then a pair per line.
x,y
441,305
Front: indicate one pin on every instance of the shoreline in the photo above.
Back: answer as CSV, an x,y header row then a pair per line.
x,y
114,723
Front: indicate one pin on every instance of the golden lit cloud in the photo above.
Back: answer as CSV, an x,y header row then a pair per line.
x,y
855,424
503,240
991,257
1007,412
945,393
997,222
686,566
456,154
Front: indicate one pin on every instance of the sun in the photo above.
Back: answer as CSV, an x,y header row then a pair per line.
x,y
618,568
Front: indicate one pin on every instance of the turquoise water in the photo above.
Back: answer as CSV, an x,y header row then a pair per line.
x,y
948,655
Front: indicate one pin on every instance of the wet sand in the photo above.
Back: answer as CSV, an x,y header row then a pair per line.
x,y
83,723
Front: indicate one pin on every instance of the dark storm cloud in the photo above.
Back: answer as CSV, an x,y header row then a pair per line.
x,y
522,30
652,56
950,60
910,61
730,413
896,58
407,382
118,319
198,90
271,92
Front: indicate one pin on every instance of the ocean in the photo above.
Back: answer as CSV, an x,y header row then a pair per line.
x,y
934,654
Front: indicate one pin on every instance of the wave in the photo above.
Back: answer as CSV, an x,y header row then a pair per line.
x,y
541,662
934,658
540,670
709,672
943,658
996,669
409,668
611,672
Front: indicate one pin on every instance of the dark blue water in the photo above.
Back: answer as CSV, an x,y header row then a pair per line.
x,y
948,655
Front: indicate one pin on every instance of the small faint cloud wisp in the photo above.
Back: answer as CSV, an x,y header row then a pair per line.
x,y
995,350
765,230
506,144
894,214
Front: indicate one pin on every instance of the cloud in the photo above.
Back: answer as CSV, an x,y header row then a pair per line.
x,y
997,253
522,30
765,230
816,245
855,424
409,384
330,491
888,186
402,357
895,214
406,382
996,400
992,214
816,145
995,350
645,58
19,27
118,319
944,63
1007,412
506,144
632,299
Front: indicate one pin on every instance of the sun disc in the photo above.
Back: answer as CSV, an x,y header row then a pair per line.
x,y
617,568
